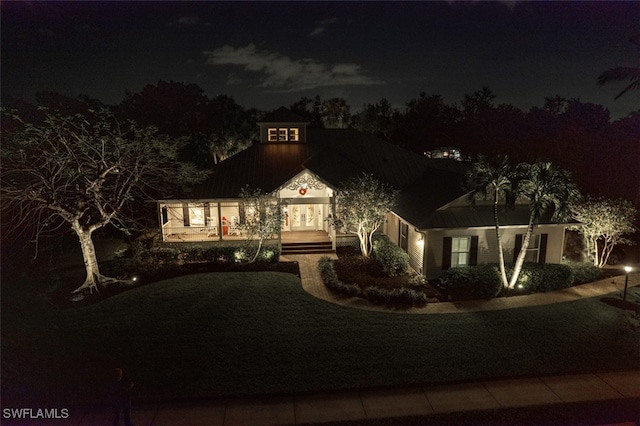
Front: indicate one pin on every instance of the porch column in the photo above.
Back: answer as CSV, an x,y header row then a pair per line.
x,y
219,221
160,220
332,228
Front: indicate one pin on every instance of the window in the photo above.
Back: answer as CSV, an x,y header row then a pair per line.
x,y
536,251
283,134
404,236
196,216
460,251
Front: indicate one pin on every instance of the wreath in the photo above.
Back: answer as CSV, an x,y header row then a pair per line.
x,y
302,191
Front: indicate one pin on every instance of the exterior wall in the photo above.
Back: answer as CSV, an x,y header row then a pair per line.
x,y
415,240
487,245
416,250
393,228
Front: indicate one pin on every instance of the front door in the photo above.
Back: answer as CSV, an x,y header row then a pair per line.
x,y
303,217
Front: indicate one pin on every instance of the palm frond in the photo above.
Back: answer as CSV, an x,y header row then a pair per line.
x,y
621,74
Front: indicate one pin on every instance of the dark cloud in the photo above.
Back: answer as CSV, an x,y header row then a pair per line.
x,y
282,73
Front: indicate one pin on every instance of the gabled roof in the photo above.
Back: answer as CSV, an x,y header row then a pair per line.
x,y
283,115
435,188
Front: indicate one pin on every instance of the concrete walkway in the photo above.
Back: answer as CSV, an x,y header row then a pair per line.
x,y
312,284
546,391
375,404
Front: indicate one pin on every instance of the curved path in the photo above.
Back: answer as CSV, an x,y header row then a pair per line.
x,y
312,284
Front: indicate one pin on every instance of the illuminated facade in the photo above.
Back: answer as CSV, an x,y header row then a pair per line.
x,y
302,168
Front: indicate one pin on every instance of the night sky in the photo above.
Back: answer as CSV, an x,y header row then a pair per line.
x,y
270,54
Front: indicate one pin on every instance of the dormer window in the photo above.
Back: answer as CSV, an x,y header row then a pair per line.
x,y
281,134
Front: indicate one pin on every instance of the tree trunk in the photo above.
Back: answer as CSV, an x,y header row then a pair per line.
x,y
503,272
523,252
94,277
257,251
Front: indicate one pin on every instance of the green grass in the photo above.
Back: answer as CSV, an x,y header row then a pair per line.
x,y
250,333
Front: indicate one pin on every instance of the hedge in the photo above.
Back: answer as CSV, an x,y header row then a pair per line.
x,y
471,282
483,281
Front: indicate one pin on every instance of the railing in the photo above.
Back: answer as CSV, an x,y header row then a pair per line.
x,y
200,233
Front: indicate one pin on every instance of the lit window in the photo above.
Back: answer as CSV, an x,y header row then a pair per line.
x,y
273,135
196,216
460,249
293,135
282,134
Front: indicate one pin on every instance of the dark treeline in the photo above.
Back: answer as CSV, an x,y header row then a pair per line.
x,y
602,155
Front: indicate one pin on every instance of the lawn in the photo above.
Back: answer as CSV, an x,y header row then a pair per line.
x,y
250,333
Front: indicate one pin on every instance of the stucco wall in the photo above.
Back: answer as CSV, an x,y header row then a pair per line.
x,y
487,245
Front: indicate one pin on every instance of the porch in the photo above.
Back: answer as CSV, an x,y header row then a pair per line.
x,y
190,234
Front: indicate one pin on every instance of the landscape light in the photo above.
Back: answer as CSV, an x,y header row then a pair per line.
x,y
627,269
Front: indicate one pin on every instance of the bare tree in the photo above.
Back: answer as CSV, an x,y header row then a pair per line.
x,y
85,171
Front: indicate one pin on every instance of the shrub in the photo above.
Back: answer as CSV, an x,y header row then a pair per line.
x,y
471,282
373,294
393,259
161,255
331,280
583,272
541,277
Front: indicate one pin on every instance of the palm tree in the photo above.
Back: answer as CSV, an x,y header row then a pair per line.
x,y
631,74
546,187
493,182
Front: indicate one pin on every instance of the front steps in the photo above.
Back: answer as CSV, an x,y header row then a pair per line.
x,y
307,247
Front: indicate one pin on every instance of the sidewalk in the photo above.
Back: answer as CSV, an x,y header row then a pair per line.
x,y
548,391
601,389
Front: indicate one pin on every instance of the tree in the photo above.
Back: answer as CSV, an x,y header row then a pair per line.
x,y
547,188
236,131
262,217
309,108
336,113
603,224
496,182
379,119
85,171
362,204
627,74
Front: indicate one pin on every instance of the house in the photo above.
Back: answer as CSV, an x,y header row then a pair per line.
x,y
302,167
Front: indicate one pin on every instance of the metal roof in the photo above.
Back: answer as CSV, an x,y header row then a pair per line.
x,y
283,115
335,155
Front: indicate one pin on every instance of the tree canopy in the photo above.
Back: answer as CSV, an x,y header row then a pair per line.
x,y
85,171
604,223
362,204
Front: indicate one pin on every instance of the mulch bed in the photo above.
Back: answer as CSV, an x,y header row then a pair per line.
x,y
352,268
